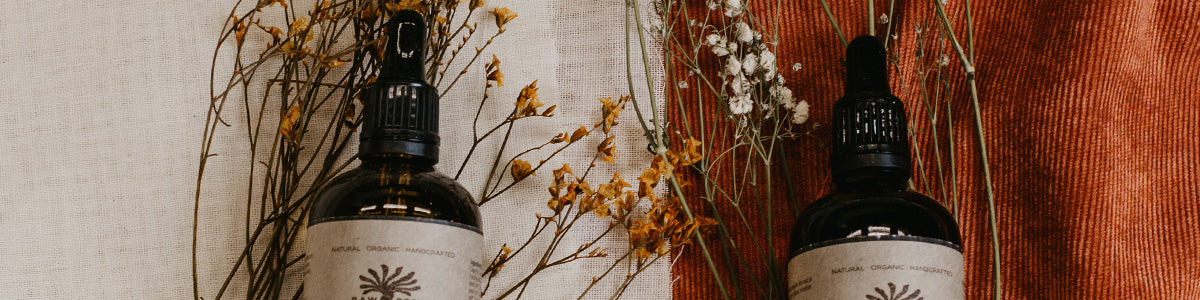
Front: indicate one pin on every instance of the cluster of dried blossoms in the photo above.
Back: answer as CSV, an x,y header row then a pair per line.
x,y
655,225
750,67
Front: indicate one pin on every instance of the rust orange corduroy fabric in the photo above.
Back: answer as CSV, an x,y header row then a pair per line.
x,y
1093,127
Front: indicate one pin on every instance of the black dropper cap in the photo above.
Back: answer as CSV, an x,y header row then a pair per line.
x,y
400,113
870,131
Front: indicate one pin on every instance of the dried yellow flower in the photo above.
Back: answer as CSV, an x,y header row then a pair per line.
x,y
527,103
607,149
477,3
578,134
610,111
239,30
503,16
417,5
560,180
287,124
496,76
549,112
299,25
276,33
521,169
265,3
498,264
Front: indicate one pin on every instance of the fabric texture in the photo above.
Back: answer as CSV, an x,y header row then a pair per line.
x,y
1091,125
104,109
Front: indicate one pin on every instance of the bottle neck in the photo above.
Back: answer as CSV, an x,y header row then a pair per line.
x,y
393,161
873,181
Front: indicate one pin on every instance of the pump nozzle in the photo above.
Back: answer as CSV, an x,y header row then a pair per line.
x,y
866,66
404,56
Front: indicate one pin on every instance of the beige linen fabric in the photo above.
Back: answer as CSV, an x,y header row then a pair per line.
x,y
103,105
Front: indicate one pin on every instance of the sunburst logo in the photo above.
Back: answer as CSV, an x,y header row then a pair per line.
x,y
389,284
892,294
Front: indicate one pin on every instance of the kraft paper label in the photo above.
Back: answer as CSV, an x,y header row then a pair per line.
x,y
392,259
888,268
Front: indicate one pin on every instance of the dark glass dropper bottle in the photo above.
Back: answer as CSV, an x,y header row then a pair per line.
x,y
873,228
370,219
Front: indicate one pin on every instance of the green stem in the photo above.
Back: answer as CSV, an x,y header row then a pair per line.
x,y
969,71
833,21
656,141
871,17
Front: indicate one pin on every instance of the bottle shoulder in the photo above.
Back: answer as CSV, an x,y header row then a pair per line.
x,y
844,215
394,193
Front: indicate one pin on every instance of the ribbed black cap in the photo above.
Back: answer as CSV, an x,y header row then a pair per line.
x,y
400,113
870,131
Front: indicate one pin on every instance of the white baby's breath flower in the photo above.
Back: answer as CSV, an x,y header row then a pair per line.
x,y
883,19
732,46
733,8
767,61
733,66
740,104
713,39
750,63
740,85
783,95
800,113
944,60
743,32
718,44
796,67
712,5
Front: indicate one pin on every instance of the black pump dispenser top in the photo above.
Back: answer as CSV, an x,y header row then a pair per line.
x,y
870,131
400,113
405,53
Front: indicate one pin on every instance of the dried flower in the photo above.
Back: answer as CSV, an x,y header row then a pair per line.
x,y
733,66
718,44
497,77
750,63
527,102
767,61
493,69
560,180
521,169
607,150
503,16
610,111
800,113
475,4
783,95
733,8
883,19
287,124
579,134
740,86
740,104
743,31
239,30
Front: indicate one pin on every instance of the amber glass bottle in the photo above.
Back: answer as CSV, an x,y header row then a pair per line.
x,y
394,228
873,238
